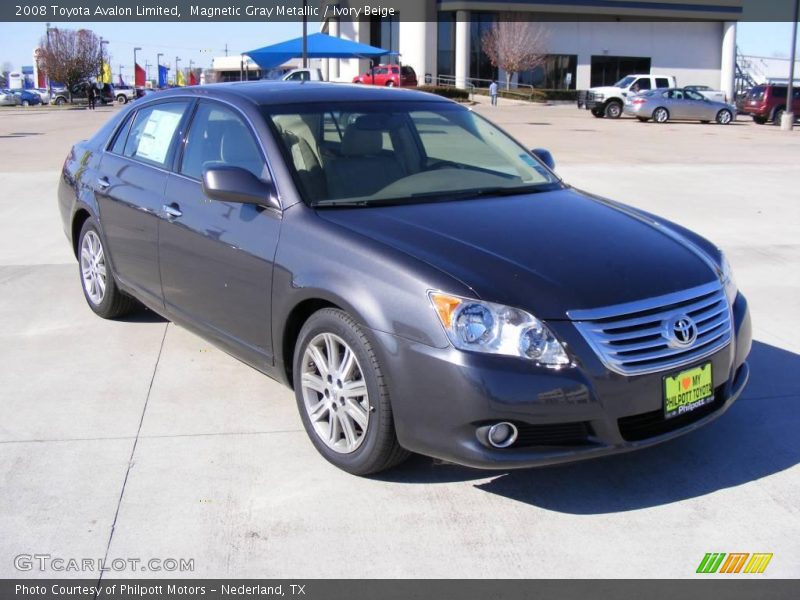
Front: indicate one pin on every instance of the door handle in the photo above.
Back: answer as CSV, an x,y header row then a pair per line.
x,y
173,211
103,182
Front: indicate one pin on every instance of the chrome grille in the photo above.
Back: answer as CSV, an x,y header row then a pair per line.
x,y
636,338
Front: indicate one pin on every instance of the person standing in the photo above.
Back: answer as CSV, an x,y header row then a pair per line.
x,y
91,94
493,88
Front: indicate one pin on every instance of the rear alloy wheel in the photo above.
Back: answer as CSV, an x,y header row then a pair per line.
x,y
121,99
613,110
60,101
661,115
97,280
724,117
342,396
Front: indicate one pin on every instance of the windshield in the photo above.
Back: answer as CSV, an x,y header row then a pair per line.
x,y
756,93
378,152
625,82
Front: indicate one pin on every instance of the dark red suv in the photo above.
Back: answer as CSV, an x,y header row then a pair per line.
x,y
768,103
388,75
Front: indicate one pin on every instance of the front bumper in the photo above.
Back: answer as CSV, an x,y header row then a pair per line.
x,y
440,397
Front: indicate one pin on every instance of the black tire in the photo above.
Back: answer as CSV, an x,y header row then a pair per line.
x,y
115,303
759,120
379,449
598,113
613,109
724,117
778,116
661,115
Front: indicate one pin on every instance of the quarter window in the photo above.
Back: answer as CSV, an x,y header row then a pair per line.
x,y
218,136
152,132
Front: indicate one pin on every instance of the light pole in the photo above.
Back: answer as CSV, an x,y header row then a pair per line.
x,y
146,72
158,66
305,35
787,121
135,50
177,60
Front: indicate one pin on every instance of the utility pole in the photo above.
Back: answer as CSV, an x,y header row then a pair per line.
x,y
787,120
120,73
226,48
305,35
49,82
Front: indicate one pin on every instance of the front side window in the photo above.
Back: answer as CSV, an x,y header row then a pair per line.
x,y
642,84
218,136
368,153
153,131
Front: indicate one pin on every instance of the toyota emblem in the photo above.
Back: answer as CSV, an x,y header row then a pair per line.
x,y
681,331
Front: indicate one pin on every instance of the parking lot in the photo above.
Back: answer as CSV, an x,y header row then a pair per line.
x,y
137,439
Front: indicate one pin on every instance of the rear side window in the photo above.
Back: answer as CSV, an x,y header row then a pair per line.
x,y
218,136
122,135
407,71
778,92
662,82
153,131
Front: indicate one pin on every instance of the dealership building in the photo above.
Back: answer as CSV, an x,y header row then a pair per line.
x,y
589,42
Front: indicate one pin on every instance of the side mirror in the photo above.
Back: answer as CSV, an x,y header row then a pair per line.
x,y
234,184
545,156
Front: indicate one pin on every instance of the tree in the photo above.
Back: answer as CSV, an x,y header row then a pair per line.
x,y
70,57
515,44
4,71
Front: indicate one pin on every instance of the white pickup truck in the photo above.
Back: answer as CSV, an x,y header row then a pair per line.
x,y
608,101
303,75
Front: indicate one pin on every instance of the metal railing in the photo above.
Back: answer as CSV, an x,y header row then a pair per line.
x,y
474,83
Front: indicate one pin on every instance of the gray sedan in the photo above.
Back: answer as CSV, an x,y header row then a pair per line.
x,y
680,104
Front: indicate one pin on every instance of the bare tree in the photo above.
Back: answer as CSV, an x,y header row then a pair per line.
x,y
515,44
70,57
5,69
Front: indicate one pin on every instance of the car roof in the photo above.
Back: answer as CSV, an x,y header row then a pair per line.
x,y
290,92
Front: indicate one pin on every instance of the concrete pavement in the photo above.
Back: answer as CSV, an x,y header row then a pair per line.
x,y
137,439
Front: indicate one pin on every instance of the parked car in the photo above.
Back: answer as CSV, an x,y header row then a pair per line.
x,y
105,93
609,101
388,75
767,103
27,97
678,104
303,75
372,249
44,95
709,92
124,93
9,98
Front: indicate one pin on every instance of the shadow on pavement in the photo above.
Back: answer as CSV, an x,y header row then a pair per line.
x,y
757,437
143,315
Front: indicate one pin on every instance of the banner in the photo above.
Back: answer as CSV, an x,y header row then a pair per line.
x,y
139,78
105,74
120,80
163,73
192,78
180,80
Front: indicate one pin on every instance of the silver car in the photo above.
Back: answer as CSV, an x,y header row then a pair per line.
x,y
9,98
679,104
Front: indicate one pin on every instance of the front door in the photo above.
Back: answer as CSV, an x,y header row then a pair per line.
x,y
217,257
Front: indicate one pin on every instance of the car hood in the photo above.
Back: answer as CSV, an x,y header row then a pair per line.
x,y
549,252
606,90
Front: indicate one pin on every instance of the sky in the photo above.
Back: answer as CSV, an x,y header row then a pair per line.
x,y
200,42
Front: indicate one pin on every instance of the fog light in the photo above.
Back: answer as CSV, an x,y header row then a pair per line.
x,y
502,435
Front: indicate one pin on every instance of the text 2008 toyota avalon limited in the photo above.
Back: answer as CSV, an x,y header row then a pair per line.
x,y
422,281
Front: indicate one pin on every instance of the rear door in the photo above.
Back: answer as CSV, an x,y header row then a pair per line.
x,y
217,257
130,189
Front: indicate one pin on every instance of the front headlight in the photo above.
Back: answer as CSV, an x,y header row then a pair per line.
x,y
496,329
727,280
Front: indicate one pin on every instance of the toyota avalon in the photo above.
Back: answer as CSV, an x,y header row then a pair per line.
x,y
422,281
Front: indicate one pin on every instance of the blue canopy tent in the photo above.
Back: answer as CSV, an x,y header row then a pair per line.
x,y
319,45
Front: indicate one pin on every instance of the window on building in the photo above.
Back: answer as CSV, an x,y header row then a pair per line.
x,y
607,70
385,33
446,44
480,67
559,72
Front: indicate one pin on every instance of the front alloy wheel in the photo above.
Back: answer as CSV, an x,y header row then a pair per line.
x,y
342,395
724,117
334,393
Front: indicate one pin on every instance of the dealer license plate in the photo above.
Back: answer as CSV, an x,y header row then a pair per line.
x,y
688,390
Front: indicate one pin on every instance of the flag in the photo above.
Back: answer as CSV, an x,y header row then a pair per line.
x,y
163,73
139,77
105,73
192,78
180,80
121,80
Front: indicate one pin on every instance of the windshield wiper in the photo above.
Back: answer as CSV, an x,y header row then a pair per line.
x,y
443,196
